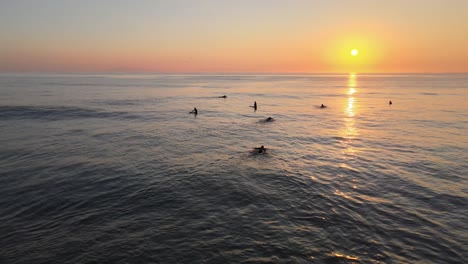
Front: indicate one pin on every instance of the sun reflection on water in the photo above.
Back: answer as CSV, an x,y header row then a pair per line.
x,y
350,108
350,132
352,83
350,105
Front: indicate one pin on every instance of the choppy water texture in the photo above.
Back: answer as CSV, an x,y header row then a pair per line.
x,y
113,169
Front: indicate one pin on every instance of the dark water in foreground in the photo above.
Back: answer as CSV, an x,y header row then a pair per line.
x,y
113,169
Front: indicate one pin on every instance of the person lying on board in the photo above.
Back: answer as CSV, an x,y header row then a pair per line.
x,y
260,150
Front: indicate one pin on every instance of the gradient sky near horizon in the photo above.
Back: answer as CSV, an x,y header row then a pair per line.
x,y
257,36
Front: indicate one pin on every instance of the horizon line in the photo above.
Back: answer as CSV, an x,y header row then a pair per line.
x,y
220,73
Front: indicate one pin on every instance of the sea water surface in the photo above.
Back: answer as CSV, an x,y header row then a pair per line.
x,y
113,169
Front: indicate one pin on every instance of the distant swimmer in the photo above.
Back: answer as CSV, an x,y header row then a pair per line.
x,y
269,119
260,150
194,111
224,96
390,103
323,106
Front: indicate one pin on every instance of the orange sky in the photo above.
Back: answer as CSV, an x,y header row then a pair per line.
x,y
246,36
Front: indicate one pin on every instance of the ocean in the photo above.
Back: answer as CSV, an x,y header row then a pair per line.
x,y
113,168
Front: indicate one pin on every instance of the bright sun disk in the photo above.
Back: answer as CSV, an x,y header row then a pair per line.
x,y
354,52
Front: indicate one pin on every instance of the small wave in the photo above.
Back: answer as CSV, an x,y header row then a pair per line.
x,y
68,84
55,113
121,102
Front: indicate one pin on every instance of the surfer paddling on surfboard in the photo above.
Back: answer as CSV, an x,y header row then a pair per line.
x,y
260,150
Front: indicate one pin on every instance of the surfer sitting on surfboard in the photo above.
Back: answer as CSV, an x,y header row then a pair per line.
x,y
254,105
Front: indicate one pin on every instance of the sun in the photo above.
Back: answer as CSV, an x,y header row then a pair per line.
x,y
354,52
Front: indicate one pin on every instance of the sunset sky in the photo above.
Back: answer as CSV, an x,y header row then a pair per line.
x,y
242,36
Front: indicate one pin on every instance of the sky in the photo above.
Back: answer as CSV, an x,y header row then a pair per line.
x,y
242,36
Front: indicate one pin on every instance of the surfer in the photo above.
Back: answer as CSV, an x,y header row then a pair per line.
x,y
269,119
254,105
260,150
224,96
390,103
194,111
323,106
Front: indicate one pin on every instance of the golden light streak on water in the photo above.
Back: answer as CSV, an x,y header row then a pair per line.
x,y
350,107
349,131
352,84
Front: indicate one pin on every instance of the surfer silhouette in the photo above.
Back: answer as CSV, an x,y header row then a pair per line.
x,y
261,150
